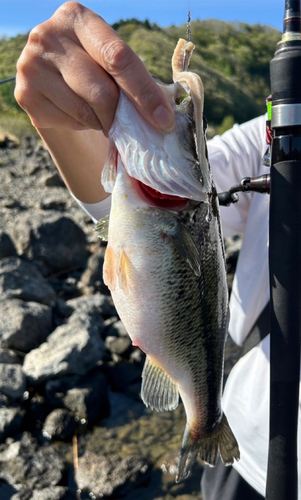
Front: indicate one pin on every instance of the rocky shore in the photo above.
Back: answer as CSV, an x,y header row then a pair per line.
x,y
72,425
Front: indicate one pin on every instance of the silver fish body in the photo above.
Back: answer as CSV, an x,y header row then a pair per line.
x,y
165,267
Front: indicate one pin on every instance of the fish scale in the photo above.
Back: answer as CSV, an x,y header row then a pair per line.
x,y
165,264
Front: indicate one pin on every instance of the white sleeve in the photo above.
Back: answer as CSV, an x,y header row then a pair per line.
x,y
96,210
234,155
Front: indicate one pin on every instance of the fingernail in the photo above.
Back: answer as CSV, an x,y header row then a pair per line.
x,y
164,118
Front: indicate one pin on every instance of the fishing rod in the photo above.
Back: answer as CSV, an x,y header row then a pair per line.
x,y
285,259
11,79
284,185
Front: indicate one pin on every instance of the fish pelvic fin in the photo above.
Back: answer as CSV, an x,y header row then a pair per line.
x,y
222,442
158,391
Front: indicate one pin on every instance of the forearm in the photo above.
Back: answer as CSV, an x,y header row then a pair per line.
x,y
68,80
80,157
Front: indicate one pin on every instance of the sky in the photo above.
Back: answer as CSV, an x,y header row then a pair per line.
x,y
20,16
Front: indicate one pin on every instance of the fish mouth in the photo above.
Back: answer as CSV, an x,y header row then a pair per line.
x,y
161,200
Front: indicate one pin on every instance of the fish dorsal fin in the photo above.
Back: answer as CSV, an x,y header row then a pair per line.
x,y
102,227
184,244
125,272
158,391
108,176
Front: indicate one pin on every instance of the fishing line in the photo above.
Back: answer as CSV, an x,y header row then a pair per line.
x,y
188,34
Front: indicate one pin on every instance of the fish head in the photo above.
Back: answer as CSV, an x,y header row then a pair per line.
x,y
171,164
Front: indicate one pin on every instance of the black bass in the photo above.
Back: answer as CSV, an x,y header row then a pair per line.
x,y
165,262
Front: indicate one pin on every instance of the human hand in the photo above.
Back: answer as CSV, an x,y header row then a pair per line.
x,y
69,73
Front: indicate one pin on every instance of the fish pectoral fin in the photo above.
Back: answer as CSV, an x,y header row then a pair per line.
x,y
109,269
102,227
182,240
125,272
158,391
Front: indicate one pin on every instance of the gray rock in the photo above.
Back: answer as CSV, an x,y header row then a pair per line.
x,y
12,381
51,202
23,494
101,476
92,276
137,356
26,464
117,329
7,248
119,345
124,374
11,422
22,280
7,492
97,306
53,179
24,325
55,493
59,425
86,397
73,348
51,238
89,402
12,202
8,356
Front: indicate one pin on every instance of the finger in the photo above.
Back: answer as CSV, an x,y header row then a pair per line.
x,y
93,90
103,44
43,113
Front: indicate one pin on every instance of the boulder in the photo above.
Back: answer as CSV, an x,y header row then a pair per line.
x,y
22,280
7,248
92,276
101,476
86,397
59,425
51,238
122,346
54,493
73,348
96,306
12,381
24,325
11,422
26,464
9,356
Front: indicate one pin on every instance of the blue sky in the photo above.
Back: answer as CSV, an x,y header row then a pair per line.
x,y
19,16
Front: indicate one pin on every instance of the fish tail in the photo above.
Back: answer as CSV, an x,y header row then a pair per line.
x,y
222,442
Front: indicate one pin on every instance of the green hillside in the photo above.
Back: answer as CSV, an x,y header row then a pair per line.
x,y
231,58
10,49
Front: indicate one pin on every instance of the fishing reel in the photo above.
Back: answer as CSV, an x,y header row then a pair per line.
x,y
260,184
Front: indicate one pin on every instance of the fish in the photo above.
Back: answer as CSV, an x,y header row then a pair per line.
x,y
165,262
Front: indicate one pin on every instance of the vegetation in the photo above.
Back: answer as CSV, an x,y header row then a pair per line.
x,y
231,58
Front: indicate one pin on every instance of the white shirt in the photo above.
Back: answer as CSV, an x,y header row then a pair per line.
x,y
234,155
